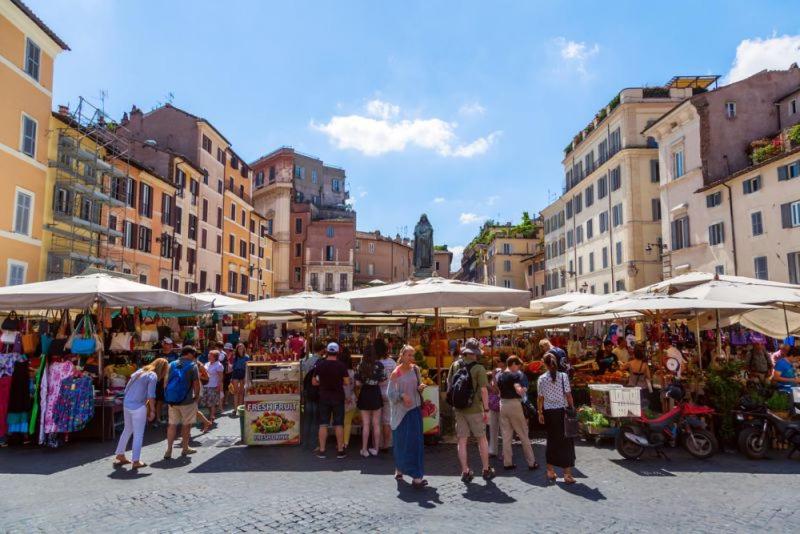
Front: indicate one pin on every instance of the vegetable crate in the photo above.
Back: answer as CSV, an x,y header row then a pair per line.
x,y
613,400
597,433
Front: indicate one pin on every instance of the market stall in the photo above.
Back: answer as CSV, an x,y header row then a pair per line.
x,y
272,403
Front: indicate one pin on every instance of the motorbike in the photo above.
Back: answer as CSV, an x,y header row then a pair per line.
x,y
681,425
757,425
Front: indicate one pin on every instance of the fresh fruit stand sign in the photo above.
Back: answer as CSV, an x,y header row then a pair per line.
x,y
272,420
430,410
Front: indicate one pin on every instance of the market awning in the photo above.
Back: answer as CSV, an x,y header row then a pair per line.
x,y
217,300
565,321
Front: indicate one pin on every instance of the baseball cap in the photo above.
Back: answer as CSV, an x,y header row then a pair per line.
x,y
228,346
333,348
471,346
167,340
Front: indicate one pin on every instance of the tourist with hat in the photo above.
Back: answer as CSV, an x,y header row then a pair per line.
x,y
331,375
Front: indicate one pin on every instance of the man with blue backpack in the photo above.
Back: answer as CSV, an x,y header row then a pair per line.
x,y
182,394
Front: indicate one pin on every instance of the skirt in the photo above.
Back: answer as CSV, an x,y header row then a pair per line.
x,y
560,450
408,445
370,398
210,397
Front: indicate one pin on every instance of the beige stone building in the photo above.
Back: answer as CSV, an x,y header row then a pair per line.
x,y
496,255
722,213
442,261
384,258
611,207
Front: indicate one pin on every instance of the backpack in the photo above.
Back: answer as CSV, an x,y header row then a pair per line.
x,y
461,390
178,384
563,361
310,391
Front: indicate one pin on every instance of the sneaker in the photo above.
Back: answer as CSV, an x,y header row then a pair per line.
x,y
341,454
373,452
321,455
187,451
467,477
489,474
364,453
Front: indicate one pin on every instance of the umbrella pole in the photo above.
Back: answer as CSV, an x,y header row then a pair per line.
x,y
697,339
785,320
719,337
439,359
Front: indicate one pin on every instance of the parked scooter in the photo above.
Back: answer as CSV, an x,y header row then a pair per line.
x,y
758,426
681,425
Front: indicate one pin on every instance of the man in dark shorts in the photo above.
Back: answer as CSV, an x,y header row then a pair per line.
x,y
331,376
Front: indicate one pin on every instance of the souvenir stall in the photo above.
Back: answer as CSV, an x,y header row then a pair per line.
x,y
66,352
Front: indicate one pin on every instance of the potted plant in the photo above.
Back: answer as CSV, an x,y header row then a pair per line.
x,y
724,387
780,404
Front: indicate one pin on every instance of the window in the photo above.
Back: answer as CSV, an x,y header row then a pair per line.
x,y
28,145
343,283
719,269
219,244
615,177
178,219
166,246
614,142
569,209
336,185
680,233
231,243
219,216
298,225
793,259
232,282
166,209
616,215
205,210
299,172
618,252
330,253
760,268
620,285
203,280
259,178
716,234
757,223
233,212
605,288
272,174
329,231
242,248
603,219
507,266
203,238
62,201
23,209
751,185
714,199
112,225
128,234
230,183
145,239
602,152
579,235
589,229
602,187
206,144
145,200
591,262
221,155
655,206
580,264
192,226
677,164
371,248
793,218
589,194
506,248
578,203
32,58
786,172
589,161
793,107
655,176
328,282
16,273
507,284
570,237
730,110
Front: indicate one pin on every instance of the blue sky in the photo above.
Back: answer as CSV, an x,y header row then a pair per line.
x,y
457,109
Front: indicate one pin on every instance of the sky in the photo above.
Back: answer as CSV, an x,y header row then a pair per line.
x,y
459,109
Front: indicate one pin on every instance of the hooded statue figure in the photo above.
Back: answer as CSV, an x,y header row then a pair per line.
x,y
423,245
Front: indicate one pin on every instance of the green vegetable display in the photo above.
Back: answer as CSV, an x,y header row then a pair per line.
x,y
589,416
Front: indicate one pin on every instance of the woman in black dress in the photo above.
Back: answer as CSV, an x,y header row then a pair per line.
x,y
369,375
554,398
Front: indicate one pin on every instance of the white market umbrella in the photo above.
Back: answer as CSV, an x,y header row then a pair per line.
x,y
579,305
78,292
550,322
306,303
574,298
376,282
686,281
216,300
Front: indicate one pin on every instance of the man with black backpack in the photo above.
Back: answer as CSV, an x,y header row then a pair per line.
x,y
560,354
182,394
468,394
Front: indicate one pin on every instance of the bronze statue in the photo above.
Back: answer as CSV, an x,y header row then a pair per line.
x,y
423,247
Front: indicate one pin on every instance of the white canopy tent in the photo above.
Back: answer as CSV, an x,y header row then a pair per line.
x,y
551,322
78,292
686,281
547,305
215,300
305,304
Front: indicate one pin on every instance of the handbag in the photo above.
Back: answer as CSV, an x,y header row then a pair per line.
x,y
8,337
30,342
84,343
121,342
149,331
571,429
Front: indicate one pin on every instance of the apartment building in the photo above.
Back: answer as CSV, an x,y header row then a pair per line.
x,y
28,50
261,275
534,265
495,256
611,199
237,226
728,159
384,258
304,203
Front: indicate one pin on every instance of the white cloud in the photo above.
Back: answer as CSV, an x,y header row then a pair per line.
x,y
755,55
472,109
382,110
457,251
471,218
492,200
362,194
438,200
375,136
577,54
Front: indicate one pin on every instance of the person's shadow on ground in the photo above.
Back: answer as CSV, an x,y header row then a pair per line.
x,y
125,473
580,489
488,493
427,497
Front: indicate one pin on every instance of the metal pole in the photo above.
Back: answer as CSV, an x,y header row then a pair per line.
x,y
697,339
785,320
719,337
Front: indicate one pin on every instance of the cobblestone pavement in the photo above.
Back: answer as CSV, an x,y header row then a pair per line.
x,y
231,488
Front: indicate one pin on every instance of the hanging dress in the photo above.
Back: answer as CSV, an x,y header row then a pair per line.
x,y
56,373
19,403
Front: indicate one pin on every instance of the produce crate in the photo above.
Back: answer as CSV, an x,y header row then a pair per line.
x,y
796,394
613,400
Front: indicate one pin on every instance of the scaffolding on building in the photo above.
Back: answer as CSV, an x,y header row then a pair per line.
x,y
92,187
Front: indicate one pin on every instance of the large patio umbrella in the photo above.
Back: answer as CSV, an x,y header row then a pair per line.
x,y
79,292
550,322
578,305
215,300
686,281
305,304
575,298
434,292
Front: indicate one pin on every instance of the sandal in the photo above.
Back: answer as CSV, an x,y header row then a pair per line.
x,y
569,480
467,477
138,465
398,476
533,467
421,484
551,478
489,474
119,462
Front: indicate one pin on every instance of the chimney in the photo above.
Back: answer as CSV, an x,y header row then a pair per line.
x,y
63,110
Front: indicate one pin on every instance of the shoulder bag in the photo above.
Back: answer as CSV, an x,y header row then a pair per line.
x,y
570,417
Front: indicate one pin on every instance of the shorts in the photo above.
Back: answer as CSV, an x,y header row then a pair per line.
x,y
182,414
469,424
210,397
328,411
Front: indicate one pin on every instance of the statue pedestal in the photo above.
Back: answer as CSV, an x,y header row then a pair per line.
x,y
423,273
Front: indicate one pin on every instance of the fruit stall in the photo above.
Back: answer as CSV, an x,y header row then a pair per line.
x,y
272,403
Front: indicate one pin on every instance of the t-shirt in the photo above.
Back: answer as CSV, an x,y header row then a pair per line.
x,y
142,386
331,373
506,381
785,368
479,380
552,392
239,367
191,377
297,345
215,371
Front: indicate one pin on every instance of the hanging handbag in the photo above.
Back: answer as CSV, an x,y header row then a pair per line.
x,y
121,342
29,342
84,342
149,331
163,329
571,429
